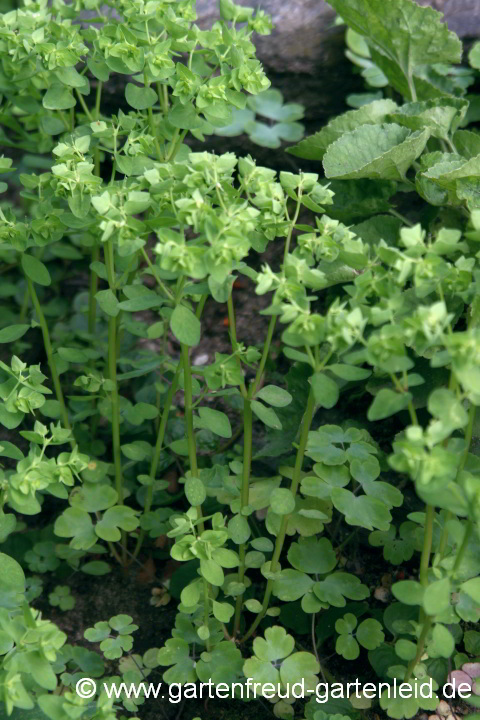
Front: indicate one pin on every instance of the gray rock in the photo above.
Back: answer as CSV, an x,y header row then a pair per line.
x,y
304,39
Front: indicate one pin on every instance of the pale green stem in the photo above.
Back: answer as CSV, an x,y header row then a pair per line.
x,y
112,371
307,420
50,359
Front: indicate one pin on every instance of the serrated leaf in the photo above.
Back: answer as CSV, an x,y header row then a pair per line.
x,y
315,146
409,35
374,151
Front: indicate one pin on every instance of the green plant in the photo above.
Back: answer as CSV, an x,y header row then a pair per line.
x,y
283,120
374,297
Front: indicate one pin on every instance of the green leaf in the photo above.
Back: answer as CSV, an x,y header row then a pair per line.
x,y
349,372
436,597
472,589
273,395
291,585
370,634
184,117
300,665
108,302
212,572
276,645
325,390
58,97
282,501
140,98
12,333
404,32
387,402
185,326
12,577
266,415
364,511
96,567
35,270
443,641
195,491
441,116
347,647
374,151
314,147
215,421
339,585
222,611
312,555
408,592
119,517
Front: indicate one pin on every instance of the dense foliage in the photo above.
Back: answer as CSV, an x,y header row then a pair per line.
x,y
115,237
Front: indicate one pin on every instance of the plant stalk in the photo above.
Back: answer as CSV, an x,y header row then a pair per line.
x,y
112,371
50,359
307,421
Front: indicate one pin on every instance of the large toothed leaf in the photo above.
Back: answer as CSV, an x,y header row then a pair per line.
x,y
314,147
374,151
441,116
401,30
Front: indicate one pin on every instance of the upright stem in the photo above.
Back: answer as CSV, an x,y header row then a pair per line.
x,y
192,447
244,499
112,371
50,359
157,452
92,303
192,455
427,544
420,646
307,421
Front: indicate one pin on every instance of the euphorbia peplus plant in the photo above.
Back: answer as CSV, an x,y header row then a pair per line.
x,y
373,307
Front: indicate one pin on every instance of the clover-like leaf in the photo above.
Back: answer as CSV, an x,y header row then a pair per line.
x,y
364,511
276,645
339,585
312,555
119,517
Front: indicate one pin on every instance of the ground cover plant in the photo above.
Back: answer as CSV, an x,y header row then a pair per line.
x,y
246,466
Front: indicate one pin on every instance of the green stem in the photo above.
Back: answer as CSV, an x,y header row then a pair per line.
x,y
24,308
188,394
50,359
159,281
84,106
420,647
112,371
427,544
266,349
157,452
92,303
192,455
244,499
307,420
401,217
462,548
233,340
